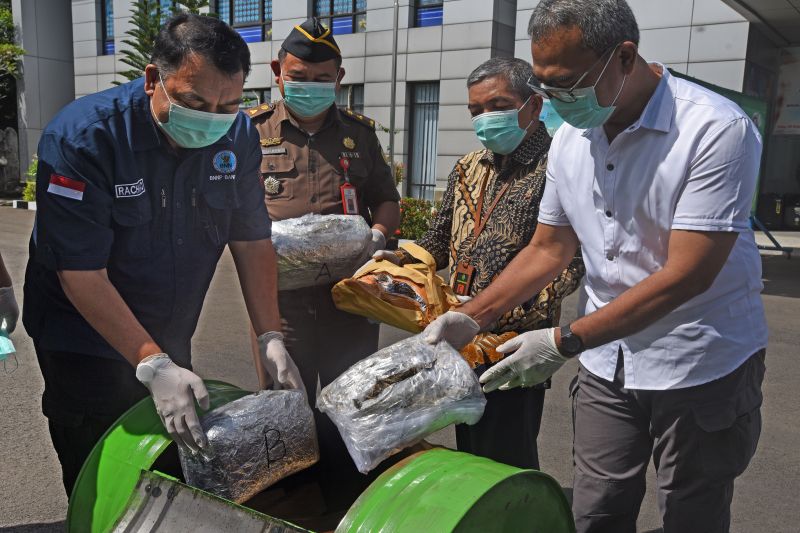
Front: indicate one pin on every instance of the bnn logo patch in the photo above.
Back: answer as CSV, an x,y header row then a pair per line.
x,y
129,190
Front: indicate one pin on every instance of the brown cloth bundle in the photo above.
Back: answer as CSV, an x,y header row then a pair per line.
x,y
410,297
483,348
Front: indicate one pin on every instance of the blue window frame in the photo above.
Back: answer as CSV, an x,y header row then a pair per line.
x,y
251,18
165,9
428,13
423,140
342,16
107,27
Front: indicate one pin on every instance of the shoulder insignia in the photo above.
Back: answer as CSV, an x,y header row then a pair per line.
x,y
358,117
259,110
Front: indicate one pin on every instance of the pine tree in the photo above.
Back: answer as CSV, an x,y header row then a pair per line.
x,y
147,17
10,62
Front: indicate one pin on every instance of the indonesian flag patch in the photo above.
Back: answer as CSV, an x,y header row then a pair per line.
x,y
66,187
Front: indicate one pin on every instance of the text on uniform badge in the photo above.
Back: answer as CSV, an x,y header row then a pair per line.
x,y
129,190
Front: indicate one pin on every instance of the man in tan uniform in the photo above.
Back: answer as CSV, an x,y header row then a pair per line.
x,y
314,155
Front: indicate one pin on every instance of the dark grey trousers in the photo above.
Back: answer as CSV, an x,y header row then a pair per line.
x,y
700,438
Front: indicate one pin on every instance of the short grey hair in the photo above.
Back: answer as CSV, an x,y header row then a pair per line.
x,y
603,23
515,71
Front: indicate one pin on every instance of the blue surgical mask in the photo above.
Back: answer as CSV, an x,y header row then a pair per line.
x,y
499,131
7,349
586,112
551,119
308,99
190,128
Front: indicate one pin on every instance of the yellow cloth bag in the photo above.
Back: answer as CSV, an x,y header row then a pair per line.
x,y
365,293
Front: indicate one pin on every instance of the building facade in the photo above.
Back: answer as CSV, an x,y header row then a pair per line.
x,y
729,43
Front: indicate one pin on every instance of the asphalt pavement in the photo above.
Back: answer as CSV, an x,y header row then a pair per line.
x,y
32,497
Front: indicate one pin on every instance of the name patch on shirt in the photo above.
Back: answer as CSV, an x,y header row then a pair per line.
x,y
129,190
66,187
273,151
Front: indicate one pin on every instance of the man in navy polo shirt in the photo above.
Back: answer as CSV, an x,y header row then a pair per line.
x,y
139,189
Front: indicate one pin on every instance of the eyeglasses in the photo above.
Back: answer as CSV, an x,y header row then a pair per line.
x,y
566,95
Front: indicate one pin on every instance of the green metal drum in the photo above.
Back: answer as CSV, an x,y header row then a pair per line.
x,y
433,491
441,491
110,474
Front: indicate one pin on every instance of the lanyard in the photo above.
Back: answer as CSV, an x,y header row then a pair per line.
x,y
465,273
483,219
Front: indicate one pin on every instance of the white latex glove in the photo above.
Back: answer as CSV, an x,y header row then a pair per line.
x,y
386,255
9,310
174,390
535,359
278,363
378,240
458,329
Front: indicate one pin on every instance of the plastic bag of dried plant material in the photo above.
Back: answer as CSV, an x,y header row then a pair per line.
x,y
400,395
320,249
254,442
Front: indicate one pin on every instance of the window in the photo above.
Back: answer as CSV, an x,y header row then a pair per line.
x,y
254,97
423,140
251,18
165,10
351,97
428,13
107,27
344,16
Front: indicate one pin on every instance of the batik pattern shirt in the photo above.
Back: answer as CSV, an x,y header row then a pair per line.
x,y
510,227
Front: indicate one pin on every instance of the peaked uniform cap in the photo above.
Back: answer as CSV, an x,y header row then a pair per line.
x,y
311,41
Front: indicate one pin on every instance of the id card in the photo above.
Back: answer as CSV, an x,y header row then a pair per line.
x,y
463,277
349,199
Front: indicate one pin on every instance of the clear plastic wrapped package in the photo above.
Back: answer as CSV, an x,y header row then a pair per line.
x,y
254,442
400,395
320,249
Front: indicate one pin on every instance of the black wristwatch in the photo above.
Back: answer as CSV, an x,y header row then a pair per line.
x,y
571,344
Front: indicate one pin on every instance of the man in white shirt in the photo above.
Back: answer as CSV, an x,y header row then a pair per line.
x,y
653,177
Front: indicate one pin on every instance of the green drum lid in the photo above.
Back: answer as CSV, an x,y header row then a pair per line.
x,y
442,490
111,472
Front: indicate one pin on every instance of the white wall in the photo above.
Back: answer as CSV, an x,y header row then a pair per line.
x,y
703,38
46,68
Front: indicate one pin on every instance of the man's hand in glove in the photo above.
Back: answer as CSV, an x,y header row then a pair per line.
x,y
174,390
9,311
382,255
278,363
535,359
458,329
378,240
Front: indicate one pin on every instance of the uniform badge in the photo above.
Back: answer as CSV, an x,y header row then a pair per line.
x,y
271,141
225,162
272,186
348,143
129,190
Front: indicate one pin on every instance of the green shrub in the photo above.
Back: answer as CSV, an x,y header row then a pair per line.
x,y
415,218
29,193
